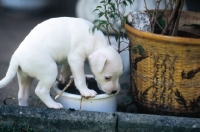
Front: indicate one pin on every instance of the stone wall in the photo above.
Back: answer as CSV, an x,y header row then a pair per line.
x,y
45,119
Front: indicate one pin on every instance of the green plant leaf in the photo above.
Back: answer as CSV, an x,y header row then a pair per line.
x,y
134,50
141,50
130,1
138,49
112,16
161,22
103,1
99,27
125,36
124,3
93,29
116,14
124,19
122,34
116,37
112,5
101,14
95,10
98,7
96,20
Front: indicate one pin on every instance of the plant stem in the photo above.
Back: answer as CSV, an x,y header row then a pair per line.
x,y
149,14
155,12
171,5
122,24
111,25
175,30
172,17
68,84
106,28
126,48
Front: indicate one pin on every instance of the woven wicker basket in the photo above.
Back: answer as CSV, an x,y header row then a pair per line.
x,y
166,78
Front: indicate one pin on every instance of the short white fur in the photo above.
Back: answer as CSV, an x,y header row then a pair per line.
x,y
69,42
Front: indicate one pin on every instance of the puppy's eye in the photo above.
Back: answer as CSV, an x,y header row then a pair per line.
x,y
108,78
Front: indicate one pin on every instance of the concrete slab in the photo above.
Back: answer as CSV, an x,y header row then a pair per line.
x,y
45,119
156,123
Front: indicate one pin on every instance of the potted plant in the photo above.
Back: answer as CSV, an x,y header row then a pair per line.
x,y
164,69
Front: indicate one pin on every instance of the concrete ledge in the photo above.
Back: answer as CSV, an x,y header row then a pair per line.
x,y
156,123
44,119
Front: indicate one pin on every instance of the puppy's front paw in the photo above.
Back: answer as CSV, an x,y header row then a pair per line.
x,y
87,93
56,106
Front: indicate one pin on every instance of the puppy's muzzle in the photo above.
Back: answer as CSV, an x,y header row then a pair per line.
x,y
114,92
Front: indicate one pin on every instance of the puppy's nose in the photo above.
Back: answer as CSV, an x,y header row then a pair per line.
x,y
114,92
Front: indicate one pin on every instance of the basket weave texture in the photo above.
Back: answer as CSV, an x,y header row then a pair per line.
x,y
166,78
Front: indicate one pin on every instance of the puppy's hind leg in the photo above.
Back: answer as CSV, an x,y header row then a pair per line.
x,y
46,80
24,87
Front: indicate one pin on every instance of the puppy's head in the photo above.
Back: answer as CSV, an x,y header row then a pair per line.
x,y
106,65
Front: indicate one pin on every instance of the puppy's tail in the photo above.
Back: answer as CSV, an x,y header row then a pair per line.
x,y
12,70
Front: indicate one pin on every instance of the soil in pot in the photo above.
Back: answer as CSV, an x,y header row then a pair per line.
x,y
181,34
122,105
91,83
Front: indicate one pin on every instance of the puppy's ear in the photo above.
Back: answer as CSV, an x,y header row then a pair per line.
x,y
97,61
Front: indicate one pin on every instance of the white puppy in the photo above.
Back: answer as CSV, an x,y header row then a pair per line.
x,y
66,41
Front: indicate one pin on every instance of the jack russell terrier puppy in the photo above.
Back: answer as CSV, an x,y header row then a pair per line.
x,y
66,41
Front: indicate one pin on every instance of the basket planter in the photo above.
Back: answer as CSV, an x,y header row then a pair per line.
x,y
166,78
